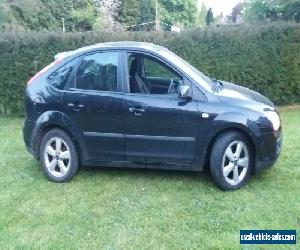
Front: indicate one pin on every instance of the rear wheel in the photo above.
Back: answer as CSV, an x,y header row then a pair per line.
x,y
231,160
58,156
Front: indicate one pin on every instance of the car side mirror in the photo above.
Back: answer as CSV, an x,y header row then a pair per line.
x,y
184,91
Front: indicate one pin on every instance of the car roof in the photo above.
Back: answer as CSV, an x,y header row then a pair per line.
x,y
115,45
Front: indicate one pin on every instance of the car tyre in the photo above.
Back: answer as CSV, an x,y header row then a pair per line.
x,y
58,156
231,160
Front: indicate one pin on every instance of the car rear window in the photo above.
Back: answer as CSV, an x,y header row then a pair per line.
x,y
59,78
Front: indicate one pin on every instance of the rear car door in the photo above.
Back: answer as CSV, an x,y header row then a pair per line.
x,y
94,103
160,127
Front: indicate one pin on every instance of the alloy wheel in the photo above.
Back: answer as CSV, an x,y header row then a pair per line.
x,y
57,157
235,162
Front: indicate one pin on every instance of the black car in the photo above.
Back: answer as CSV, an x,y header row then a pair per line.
x,y
132,104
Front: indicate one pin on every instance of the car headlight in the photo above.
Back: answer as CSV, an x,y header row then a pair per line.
x,y
274,118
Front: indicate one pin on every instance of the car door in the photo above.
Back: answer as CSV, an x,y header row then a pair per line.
x,y
159,128
94,102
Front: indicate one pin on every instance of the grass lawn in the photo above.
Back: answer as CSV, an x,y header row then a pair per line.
x,y
121,208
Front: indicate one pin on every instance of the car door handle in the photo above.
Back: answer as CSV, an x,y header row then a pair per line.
x,y
137,111
75,107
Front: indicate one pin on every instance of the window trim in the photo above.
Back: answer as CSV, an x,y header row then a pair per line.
x,y
73,85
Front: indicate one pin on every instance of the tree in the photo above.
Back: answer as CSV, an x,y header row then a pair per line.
x,y
291,11
169,11
209,17
257,11
272,10
202,15
82,17
147,11
47,15
107,15
79,15
178,11
133,12
129,12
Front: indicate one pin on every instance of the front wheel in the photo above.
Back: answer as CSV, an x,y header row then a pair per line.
x,y
231,160
58,156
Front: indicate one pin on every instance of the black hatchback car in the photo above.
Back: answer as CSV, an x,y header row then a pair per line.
x,y
132,104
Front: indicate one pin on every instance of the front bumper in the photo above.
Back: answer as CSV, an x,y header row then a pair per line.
x,y
269,148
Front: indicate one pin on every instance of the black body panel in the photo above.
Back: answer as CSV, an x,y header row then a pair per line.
x,y
147,130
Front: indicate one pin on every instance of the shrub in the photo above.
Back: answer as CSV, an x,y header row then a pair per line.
x,y
264,58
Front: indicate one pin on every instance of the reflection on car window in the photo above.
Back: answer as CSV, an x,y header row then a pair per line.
x,y
156,69
98,72
59,78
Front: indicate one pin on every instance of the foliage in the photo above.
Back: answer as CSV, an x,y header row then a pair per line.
x,y
169,11
265,58
86,15
178,11
129,12
146,11
41,15
113,208
202,15
133,12
209,17
46,15
108,11
82,19
291,11
272,10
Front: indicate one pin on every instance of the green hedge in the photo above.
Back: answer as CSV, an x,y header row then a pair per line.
x,y
264,58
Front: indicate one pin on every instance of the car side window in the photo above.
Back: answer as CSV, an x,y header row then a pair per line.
x,y
59,78
148,75
154,68
98,72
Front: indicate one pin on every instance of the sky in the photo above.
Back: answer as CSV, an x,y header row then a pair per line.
x,y
219,6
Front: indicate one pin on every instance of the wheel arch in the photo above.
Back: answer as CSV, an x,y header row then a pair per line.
x,y
231,128
53,120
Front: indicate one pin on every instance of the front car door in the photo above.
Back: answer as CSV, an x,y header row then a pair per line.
x,y
94,102
160,127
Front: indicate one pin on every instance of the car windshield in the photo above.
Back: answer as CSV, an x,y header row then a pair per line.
x,y
197,76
